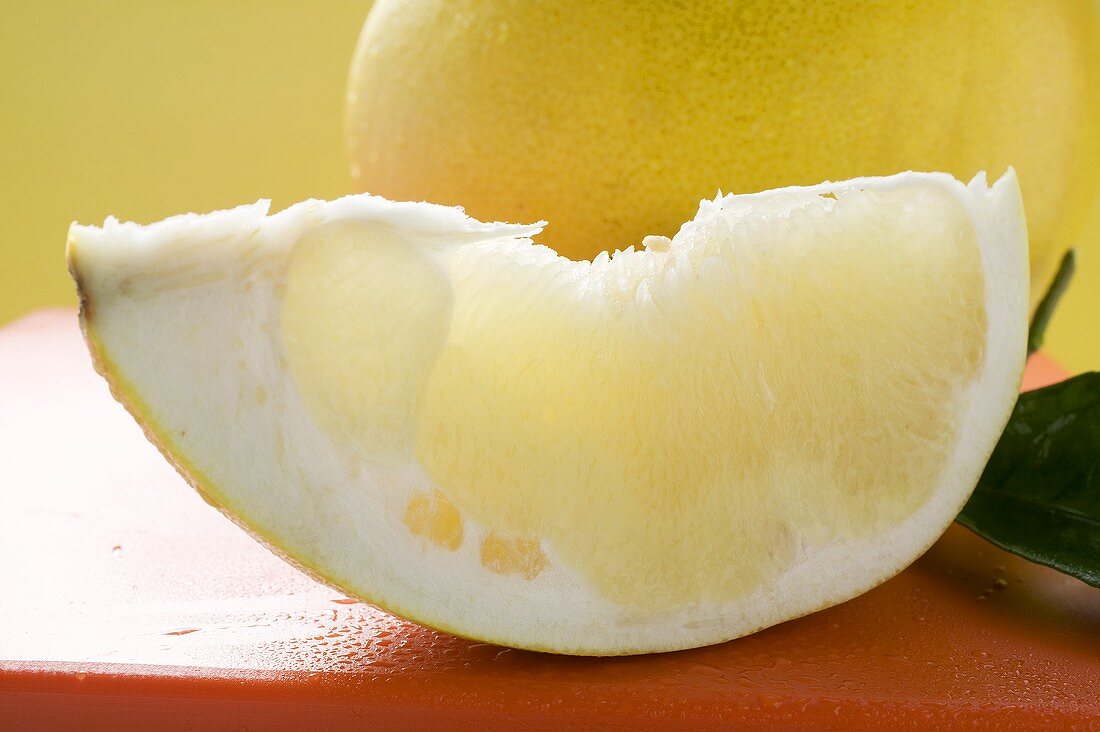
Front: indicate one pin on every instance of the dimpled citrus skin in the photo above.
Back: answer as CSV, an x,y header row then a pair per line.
x,y
613,119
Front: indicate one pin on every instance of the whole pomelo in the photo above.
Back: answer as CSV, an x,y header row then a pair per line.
x,y
612,119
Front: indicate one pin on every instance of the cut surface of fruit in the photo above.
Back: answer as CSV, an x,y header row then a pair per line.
x,y
768,414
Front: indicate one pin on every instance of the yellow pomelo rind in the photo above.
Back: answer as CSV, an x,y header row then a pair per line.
x,y
610,119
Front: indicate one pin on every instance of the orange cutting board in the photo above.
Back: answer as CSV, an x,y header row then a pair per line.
x,y
127,603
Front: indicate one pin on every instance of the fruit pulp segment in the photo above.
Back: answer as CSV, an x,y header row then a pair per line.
x,y
356,331
673,426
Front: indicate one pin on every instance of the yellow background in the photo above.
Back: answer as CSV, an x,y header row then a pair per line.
x,y
144,109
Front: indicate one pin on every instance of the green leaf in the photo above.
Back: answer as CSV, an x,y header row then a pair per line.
x,y
1046,306
1039,496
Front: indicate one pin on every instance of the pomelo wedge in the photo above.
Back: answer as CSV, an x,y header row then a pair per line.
x,y
768,414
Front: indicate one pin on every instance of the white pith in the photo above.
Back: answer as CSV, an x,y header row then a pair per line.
x,y
186,316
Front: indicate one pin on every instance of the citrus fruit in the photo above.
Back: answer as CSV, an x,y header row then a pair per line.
x,y
767,414
611,119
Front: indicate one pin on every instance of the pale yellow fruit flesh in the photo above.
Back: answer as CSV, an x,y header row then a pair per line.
x,y
349,289
393,396
675,426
